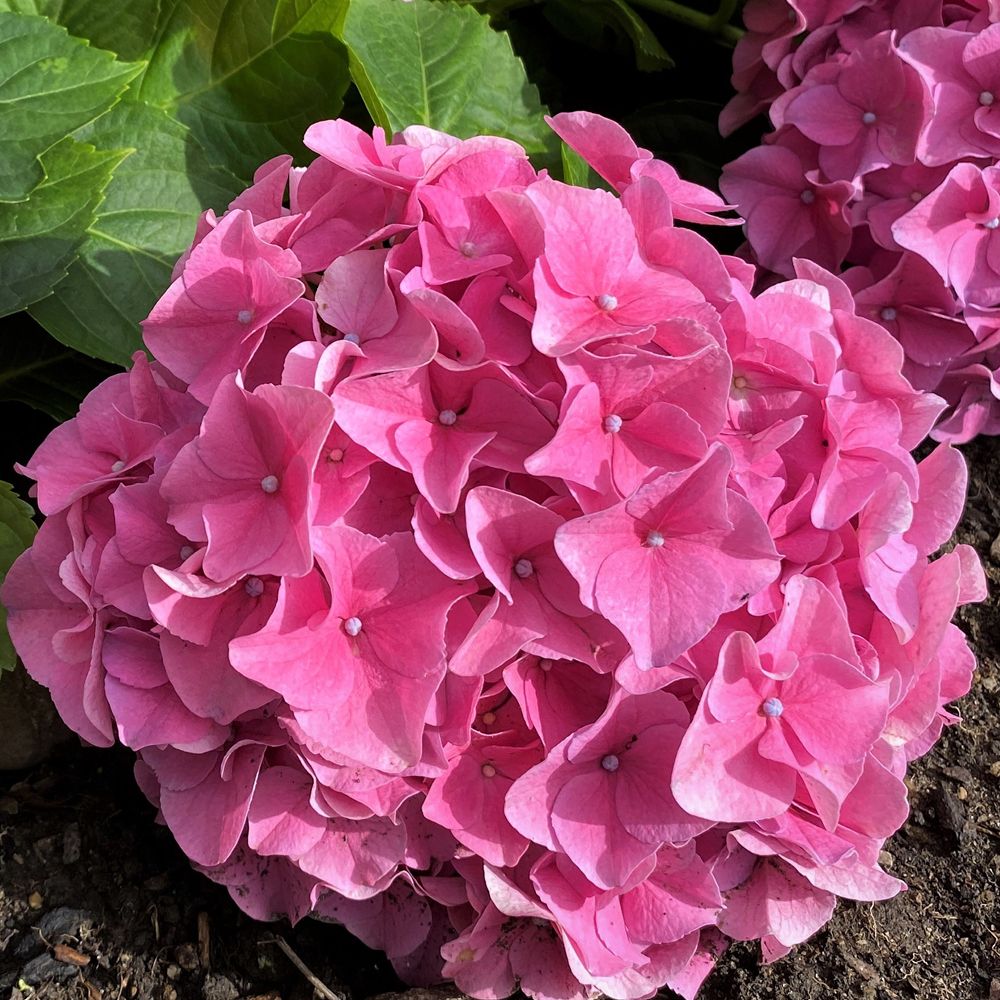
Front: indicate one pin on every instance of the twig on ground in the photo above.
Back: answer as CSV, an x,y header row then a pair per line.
x,y
317,984
204,941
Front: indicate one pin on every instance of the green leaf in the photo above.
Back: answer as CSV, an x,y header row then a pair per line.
x,y
16,532
126,27
43,374
442,65
246,76
146,220
39,237
50,84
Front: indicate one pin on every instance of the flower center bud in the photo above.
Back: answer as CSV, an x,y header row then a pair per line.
x,y
254,586
868,118
335,455
523,568
612,423
186,552
993,223
740,382
244,316
546,665
118,466
888,314
447,417
610,762
352,626
607,303
986,98
489,718
270,484
489,771
772,708
466,955
655,539
807,197
468,249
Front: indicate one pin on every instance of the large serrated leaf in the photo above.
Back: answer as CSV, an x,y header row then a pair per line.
x,y
246,76
39,237
16,532
146,220
50,84
441,65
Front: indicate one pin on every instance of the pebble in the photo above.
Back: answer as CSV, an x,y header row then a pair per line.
x,y
63,921
71,844
186,957
35,900
995,769
173,971
219,988
46,969
995,550
885,859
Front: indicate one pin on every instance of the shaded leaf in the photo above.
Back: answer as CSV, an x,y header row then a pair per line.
x,y
45,375
146,220
16,532
39,237
50,84
246,76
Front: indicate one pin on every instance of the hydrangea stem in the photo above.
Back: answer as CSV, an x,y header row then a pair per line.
x,y
714,24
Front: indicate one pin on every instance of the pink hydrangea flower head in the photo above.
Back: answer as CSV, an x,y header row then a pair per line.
x,y
486,566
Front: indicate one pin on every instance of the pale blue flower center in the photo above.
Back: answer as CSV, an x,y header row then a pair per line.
x,y
607,302
986,98
773,708
352,338
888,314
612,423
869,118
468,249
610,762
118,466
993,223
807,197
186,552
447,417
244,316
352,626
270,484
254,586
655,539
523,568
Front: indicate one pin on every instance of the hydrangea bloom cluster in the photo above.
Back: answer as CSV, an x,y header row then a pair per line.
x,y
885,156
483,567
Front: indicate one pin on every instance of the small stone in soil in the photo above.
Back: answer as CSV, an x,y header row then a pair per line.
x,y
186,957
71,844
46,969
63,921
35,900
219,988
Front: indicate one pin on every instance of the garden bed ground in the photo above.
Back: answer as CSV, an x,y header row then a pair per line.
x,y
98,903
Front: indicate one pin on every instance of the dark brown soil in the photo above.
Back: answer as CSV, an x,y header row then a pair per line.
x,y
97,903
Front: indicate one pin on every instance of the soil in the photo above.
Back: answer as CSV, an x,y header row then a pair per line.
x,y
97,902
